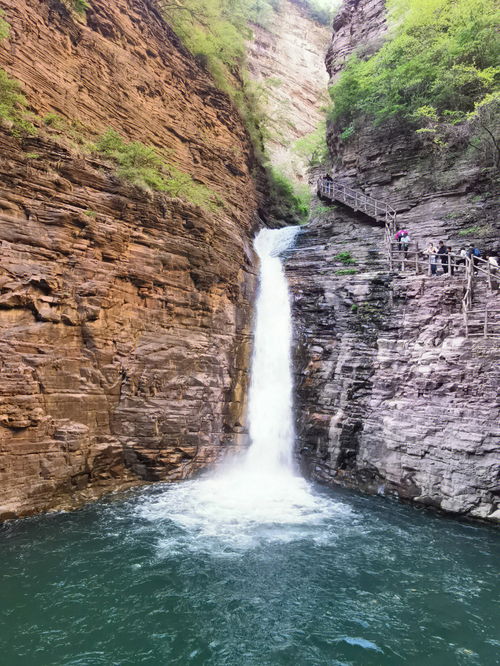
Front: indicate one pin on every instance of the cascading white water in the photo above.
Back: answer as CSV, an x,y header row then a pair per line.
x,y
258,496
270,399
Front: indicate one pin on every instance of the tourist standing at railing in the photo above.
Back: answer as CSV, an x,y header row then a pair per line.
x,y
404,243
474,253
443,252
462,256
493,261
432,252
493,268
452,257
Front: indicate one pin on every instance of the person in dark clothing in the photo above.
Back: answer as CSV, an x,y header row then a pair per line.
x,y
474,253
443,252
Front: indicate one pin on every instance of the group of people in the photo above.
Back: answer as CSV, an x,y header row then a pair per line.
x,y
444,256
451,261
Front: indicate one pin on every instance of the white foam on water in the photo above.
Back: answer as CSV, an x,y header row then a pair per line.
x,y
259,497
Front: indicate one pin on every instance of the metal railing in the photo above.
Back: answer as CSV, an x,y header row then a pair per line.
x,y
478,321
357,200
484,322
379,210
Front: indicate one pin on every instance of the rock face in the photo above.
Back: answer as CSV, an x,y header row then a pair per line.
x,y
358,25
392,398
438,193
286,58
124,315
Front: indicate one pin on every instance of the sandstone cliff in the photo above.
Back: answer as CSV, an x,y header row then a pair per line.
x,y
286,58
124,315
392,397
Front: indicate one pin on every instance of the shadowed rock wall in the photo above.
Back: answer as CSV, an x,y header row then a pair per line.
x,y
391,396
124,315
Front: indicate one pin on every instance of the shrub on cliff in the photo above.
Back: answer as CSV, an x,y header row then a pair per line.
x,y
12,101
141,165
4,26
286,201
439,62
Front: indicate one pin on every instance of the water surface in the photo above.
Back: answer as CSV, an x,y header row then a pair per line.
x,y
166,575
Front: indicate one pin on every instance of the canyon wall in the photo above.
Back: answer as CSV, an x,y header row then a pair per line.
x,y
286,59
124,314
392,397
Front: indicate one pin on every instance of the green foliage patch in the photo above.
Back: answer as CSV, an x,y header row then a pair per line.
x,y
470,231
286,201
312,147
141,165
438,66
13,103
345,257
80,7
346,271
4,26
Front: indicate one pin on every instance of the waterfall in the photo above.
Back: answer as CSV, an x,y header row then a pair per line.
x,y
270,399
258,497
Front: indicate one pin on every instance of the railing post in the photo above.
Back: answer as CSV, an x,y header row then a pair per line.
x,y
466,320
489,276
430,265
449,264
417,267
486,322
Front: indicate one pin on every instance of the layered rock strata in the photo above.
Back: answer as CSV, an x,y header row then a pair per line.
x,y
124,315
392,398
286,59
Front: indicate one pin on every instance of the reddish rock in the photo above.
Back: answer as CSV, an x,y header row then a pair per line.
x,y
124,315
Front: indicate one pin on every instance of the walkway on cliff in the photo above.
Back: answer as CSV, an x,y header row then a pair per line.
x,y
479,277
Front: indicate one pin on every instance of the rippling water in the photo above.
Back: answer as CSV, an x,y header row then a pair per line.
x,y
173,575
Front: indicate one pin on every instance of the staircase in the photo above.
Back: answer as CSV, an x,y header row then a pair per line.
x,y
481,283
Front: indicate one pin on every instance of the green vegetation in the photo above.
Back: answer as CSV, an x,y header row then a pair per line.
x,y
32,156
90,213
319,210
286,201
142,166
345,257
4,26
55,121
437,72
470,231
13,103
346,271
347,133
78,6
312,147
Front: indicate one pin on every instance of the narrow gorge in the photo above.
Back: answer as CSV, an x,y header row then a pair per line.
x,y
249,332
